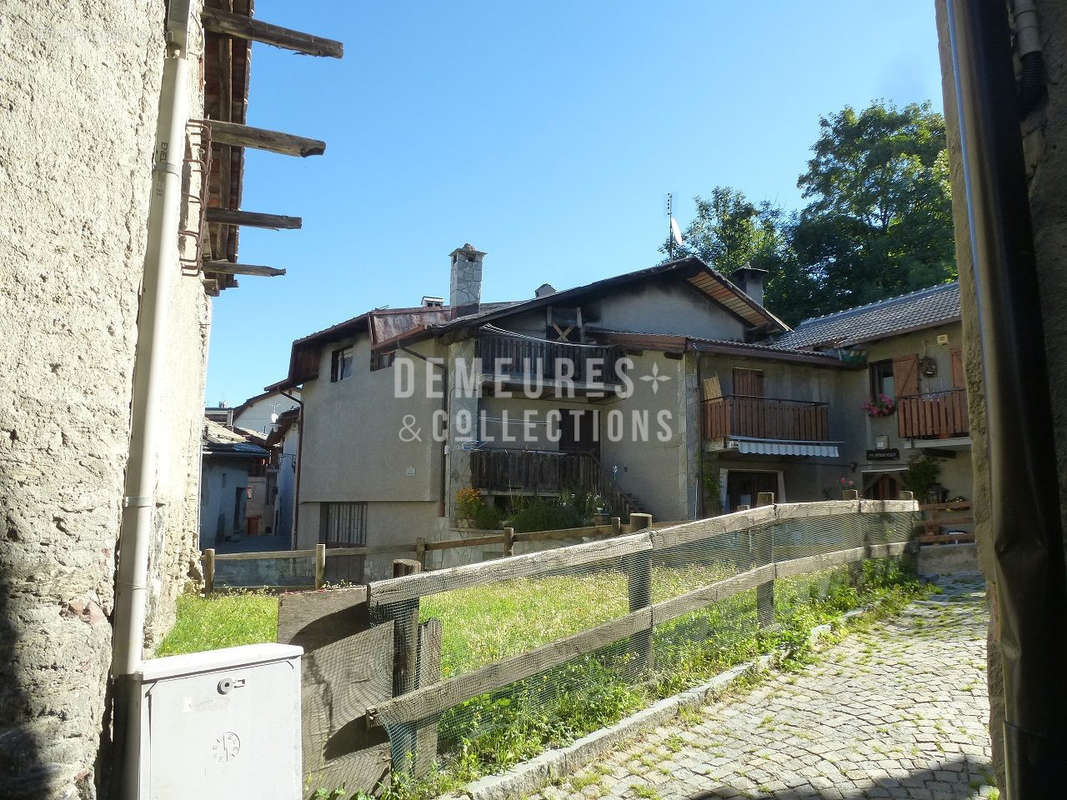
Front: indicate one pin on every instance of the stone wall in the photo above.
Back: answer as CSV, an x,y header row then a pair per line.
x,y
79,88
1045,147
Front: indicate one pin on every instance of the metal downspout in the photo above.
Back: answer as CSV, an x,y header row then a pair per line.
x,y
299,468
1031,601
160,269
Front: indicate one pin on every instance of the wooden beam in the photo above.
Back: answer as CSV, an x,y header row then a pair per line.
x,y
254,219
429,700
287,144
396,590
218,21
229,268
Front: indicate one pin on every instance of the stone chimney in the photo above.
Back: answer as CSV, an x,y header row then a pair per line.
x,y
750,279
465,290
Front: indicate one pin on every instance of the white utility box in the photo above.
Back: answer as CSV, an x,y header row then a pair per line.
x,y
221,725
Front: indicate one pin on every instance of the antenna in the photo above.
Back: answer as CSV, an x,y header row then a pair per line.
x,y
670,233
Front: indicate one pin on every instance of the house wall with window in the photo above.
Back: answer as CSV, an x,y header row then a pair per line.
x,y
925,364
353,449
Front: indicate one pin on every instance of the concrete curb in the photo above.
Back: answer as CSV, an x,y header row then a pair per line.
x,y
531,776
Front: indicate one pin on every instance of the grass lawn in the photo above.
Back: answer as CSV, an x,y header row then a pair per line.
x,y
221,620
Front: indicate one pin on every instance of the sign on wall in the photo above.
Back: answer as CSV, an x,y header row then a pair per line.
x,y
892,454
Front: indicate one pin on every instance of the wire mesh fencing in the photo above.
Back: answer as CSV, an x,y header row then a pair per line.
x,y
521,654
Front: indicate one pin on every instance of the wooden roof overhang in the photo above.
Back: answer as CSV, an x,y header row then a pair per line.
x,y
229,30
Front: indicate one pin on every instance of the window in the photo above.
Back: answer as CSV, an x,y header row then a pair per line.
x,y
343,524
882,379
380,360
341,364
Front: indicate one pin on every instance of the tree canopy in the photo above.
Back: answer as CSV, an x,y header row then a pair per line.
x,y
878,221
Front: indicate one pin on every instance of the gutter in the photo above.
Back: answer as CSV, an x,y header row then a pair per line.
x,y
139,504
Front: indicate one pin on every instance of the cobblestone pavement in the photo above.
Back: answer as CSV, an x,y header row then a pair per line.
x,y
897,711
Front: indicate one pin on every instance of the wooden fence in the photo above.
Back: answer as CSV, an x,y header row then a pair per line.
x,y
397,600
419,549
766,418
934,525
939,415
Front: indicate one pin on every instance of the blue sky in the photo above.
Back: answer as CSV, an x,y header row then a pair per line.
x,y
545,133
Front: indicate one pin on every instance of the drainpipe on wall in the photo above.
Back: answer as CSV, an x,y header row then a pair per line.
x,y
299,466
160,265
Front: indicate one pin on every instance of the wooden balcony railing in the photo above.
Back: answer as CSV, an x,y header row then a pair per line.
x,y
766,418
938,415
539,471
547,359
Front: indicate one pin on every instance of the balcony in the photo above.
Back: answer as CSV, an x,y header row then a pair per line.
x,y
512,357
766,418
938,415
545,472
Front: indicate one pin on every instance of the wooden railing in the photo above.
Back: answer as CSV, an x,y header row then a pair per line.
x,y
519,356
536,471
938,415
766,418
935,527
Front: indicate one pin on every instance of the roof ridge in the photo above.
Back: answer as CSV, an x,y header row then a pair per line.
x,y
883,301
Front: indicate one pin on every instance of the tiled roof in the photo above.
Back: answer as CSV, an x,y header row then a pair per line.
x,y
922,309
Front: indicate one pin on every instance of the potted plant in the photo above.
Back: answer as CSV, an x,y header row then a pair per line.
x,y
469,502
921,476
846,484
881,405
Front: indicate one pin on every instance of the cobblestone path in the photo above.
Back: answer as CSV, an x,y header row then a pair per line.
x,y
898,711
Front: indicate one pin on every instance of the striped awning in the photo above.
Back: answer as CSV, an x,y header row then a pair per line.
x,y
776,447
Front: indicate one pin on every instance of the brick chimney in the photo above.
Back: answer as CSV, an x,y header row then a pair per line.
x,y
750,279
465,290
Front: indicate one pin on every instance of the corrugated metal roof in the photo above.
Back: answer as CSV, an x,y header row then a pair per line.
x,y
925,308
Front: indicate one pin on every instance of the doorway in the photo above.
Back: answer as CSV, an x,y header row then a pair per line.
x,y
743,487
884,487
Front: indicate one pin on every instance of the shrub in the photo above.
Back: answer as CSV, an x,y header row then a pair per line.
x,y
468,501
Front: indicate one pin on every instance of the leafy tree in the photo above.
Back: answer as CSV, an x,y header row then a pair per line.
x,y
878,220
879,217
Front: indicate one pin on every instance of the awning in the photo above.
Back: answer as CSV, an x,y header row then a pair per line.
x,y
782,448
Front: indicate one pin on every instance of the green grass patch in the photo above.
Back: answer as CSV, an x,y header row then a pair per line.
x,y
221,620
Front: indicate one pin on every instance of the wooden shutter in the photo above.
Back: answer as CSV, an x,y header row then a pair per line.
x,y
748,382
959,380
333,365
906,375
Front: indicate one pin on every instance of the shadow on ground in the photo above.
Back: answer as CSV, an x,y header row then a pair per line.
x,y
953,780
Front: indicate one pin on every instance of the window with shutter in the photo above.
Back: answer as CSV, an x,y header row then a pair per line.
x,y
959,380
748,382
881,374
906,375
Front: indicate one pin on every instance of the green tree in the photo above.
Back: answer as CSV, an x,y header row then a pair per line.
x,y
878,220
879,217
729,232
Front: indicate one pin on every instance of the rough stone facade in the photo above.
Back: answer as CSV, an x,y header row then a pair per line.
x,y
79,94
1045,148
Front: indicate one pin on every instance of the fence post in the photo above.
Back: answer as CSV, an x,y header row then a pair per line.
x,y
209,570
429,658
616,526
405,617
509,542
320,565
850,494
906,495
639,586
764,554
420,552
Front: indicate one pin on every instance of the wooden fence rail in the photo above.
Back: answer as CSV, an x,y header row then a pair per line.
x,y
427,701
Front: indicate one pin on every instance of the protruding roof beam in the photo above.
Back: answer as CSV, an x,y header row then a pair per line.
x,y
229,268
218,21
246,136
253,219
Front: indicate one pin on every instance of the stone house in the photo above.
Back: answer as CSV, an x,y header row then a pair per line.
x,y
119,207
